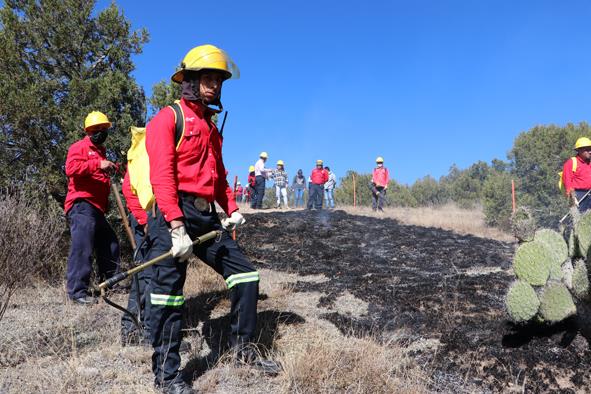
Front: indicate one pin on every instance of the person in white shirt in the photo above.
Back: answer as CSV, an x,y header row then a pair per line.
x,y
261,174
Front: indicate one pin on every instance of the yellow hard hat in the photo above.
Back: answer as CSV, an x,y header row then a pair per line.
x,y
251,169
582,142
380,159
207,57
264,155
280,162
95,118
319,162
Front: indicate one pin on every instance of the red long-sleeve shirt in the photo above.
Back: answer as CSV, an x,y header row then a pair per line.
x,y
580,178
196,167
319,176
86,180
133,203
380,176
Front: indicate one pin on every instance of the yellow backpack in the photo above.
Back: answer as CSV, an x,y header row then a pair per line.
x,y
138,162
561,178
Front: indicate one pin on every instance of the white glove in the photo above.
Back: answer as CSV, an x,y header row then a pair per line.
x,y
182,245
234,220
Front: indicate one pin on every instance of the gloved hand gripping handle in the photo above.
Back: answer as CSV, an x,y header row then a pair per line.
x,y
109,283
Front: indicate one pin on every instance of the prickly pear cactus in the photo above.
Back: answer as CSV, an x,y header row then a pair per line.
x,y
556,303
554,241
532,263
567,274
573,248
583,234
580,280
522,302
523,224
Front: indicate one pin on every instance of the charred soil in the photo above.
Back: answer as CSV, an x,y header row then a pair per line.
x,y
437,292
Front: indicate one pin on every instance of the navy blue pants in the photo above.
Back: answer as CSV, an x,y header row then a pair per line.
x,y
139,292
90,233
168,279
316,196
259,192
584,205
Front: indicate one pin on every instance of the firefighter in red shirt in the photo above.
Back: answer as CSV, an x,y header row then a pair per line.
x,y
89,184
239,191
318,178
138,219
379,182
186,181
577,175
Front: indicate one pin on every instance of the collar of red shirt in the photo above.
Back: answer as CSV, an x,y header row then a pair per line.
x,y
581,160
199,109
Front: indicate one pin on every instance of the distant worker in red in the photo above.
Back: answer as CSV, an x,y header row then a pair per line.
x,y
576,175
379,182
318,178
187,182
89,184
239,191
250,188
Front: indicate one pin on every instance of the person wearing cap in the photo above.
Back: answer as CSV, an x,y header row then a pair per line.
x,y
250,187
187,181
576,175
318,178
281,180
329,188
298,186
239,191
89,184
261,175
379,180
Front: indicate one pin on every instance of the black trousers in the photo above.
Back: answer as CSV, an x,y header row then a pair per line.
x,y
316,196
168,279
139,292
90,233
259,192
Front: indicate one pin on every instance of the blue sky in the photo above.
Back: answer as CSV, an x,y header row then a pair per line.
x,y
424,84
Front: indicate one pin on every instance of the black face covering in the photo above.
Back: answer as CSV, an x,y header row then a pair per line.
x,y
190,90
99,137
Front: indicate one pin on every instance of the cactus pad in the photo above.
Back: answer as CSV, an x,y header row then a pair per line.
x,y
580,280
522,302
532,263
583,234
556,303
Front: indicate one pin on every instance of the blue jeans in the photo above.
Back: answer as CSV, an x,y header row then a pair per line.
x,y
329,198
299,197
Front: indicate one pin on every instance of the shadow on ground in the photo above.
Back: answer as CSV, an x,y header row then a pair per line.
x,y
216,331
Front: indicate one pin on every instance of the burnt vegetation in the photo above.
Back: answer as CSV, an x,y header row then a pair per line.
x,y
423,285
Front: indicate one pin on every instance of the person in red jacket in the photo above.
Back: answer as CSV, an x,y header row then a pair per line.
x,y
136,304
576,175
89,184
379,181
252,180
187,181
239,191
318,178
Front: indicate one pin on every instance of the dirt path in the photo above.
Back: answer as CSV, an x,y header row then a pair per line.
x,y
435,291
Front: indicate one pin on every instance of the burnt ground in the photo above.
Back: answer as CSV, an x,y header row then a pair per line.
x,y
424,285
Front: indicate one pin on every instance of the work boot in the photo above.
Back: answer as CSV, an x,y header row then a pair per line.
x,y
177,387
185,347
84,300
247,355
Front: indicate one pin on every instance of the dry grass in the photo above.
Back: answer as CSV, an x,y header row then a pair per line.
x,y
447,217
317,361
50,346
